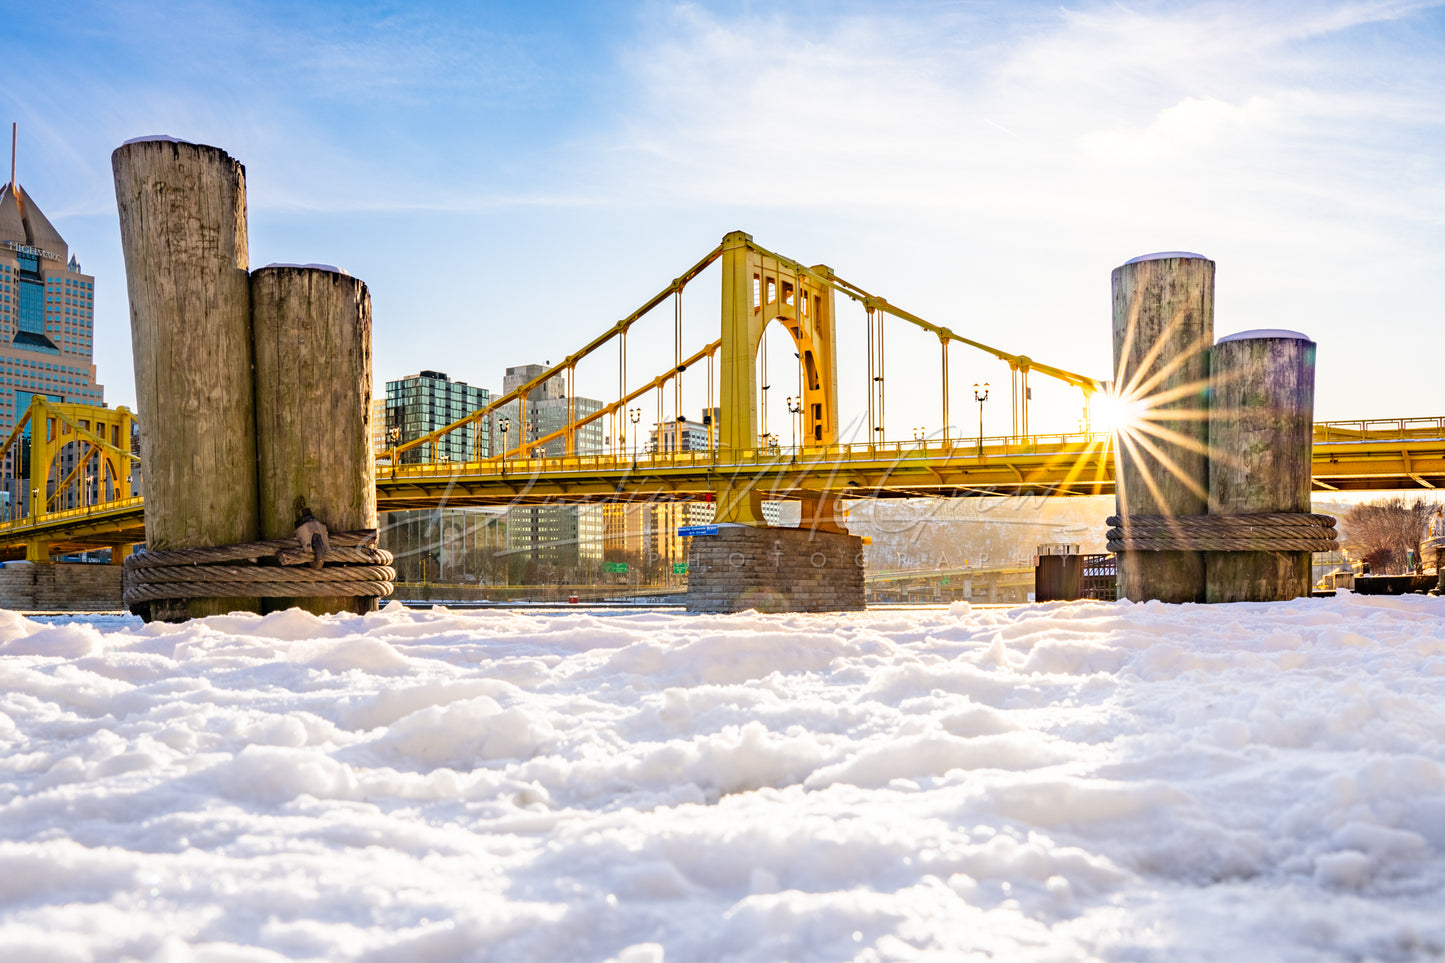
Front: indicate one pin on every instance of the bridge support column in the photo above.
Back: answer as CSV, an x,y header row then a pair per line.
x,y
824,514
775,570
119,552
37,551
740,504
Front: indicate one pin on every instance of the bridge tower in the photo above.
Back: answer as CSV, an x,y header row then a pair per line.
x,y
816,567
758,289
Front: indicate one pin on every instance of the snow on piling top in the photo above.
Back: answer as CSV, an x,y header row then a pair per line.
x,y
314,267
167,138
1163,255
1264,333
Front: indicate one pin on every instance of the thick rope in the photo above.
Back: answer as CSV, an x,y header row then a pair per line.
x,y
1258,532
224,590
235,553
269,573
278,568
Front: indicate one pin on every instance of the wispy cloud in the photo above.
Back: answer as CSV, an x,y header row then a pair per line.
x,y
948,111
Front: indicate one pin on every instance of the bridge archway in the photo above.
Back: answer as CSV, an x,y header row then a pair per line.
x,y
758,290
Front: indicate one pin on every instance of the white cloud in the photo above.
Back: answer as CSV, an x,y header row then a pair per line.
x,y
1193,129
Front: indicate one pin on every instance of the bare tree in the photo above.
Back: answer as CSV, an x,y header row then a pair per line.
x,y
1382,532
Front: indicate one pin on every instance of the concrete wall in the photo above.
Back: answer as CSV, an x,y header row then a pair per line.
x,y
59,588
774,570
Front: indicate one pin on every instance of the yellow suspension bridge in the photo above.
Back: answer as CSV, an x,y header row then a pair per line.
x,y
70,474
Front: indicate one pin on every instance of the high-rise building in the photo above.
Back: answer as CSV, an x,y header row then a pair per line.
x,y
421,403
441,544
47,328
548,410
378,425
568,535
679,435
47,312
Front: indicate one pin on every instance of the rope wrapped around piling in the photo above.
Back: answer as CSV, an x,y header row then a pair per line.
x,y
278,568
1257,532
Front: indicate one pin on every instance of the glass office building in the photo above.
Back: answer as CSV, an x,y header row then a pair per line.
x,y
419,404
47,321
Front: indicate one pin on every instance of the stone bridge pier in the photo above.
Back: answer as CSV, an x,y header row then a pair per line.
x,y
775,570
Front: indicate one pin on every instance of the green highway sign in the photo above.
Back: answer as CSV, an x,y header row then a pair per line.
x,y
679,568
614,566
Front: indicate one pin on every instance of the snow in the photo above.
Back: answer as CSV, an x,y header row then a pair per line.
x,y
157,138
1084,781
329,268
1264,333
1164,256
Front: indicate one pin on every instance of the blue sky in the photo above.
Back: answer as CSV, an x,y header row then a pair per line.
x,y
510,178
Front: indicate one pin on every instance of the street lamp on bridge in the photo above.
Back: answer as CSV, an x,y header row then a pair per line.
x,y
504,425
795,408
980,398
634,415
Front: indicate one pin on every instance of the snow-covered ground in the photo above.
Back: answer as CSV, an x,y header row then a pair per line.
x,y
1052,782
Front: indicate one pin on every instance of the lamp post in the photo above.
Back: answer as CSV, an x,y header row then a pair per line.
x,y
504,424
795,408
634,415
980,398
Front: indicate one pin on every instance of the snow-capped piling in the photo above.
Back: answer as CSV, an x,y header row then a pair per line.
x,y
183,233
312,326
1163,328
1261,428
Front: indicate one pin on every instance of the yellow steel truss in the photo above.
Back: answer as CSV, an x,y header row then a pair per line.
x,y
66,459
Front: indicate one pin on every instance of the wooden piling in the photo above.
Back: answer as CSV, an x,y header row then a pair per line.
x,y
183,234
1261,429
1163,328
313,407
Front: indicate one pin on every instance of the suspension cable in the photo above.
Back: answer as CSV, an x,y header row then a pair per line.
x,y
677,359
943,347
882,435
872,434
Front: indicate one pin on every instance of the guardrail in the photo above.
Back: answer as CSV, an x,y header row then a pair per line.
x,y
893,452
1379,429
99,509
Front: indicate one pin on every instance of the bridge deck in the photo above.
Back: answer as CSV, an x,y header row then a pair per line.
x,y
1348,456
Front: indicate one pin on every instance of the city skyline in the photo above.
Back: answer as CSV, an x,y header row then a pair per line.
x,y
983,165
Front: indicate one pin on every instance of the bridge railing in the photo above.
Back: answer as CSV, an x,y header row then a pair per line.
x,y
72,515
896,451
1379,429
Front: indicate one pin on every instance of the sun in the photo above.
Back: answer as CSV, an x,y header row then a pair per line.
x,y
1117,414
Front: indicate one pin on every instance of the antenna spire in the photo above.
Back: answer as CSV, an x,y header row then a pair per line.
x,y
14,134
